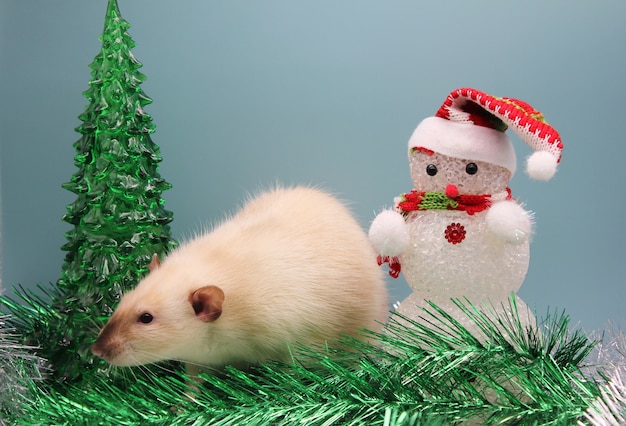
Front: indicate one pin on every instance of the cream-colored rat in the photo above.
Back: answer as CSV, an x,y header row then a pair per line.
x,y
292,268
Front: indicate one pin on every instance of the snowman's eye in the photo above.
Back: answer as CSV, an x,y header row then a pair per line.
x,y
471,168
431,170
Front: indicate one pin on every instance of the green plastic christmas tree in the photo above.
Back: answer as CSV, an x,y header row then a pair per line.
x,y
118,217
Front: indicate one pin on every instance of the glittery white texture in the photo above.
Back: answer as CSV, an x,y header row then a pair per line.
x,y
489,179
482,267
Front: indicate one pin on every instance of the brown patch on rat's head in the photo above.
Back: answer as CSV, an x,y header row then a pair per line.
x,y
142,329
114,340
163,318
110,343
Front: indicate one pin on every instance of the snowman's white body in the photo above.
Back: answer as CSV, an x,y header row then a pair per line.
x,y
481,267
483,258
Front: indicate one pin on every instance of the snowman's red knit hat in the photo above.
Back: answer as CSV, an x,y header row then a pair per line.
x,y
471,124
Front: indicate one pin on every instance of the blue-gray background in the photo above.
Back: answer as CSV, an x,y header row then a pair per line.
x,y
248,93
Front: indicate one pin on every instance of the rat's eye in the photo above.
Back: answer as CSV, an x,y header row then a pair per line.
x,y
145,318
471,168
431,170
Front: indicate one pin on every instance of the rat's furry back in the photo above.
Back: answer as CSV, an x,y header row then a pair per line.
x,y
295,268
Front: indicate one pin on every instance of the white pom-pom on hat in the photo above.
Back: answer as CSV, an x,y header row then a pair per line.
x,y
388,234
541,165
471,125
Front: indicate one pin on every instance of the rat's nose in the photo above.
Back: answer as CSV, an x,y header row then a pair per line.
x,y
452,191
97,350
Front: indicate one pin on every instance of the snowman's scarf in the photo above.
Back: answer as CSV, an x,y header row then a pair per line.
x,y
415,200
469,203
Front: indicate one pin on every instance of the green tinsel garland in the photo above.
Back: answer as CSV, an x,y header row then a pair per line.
x,y
417,374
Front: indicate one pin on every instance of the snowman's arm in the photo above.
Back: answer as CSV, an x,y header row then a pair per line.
x,y
388,233
509,221
389,236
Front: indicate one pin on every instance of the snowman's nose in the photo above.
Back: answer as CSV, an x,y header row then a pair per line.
x,y
452,191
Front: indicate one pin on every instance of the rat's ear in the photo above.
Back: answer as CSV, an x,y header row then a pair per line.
x,y
207,303
154,263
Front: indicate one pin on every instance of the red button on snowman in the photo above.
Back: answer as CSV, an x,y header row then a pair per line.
x,y
460,234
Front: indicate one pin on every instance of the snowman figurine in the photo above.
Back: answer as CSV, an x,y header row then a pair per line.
x,y
459,234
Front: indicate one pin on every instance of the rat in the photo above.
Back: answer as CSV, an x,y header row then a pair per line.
x,y
292,268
